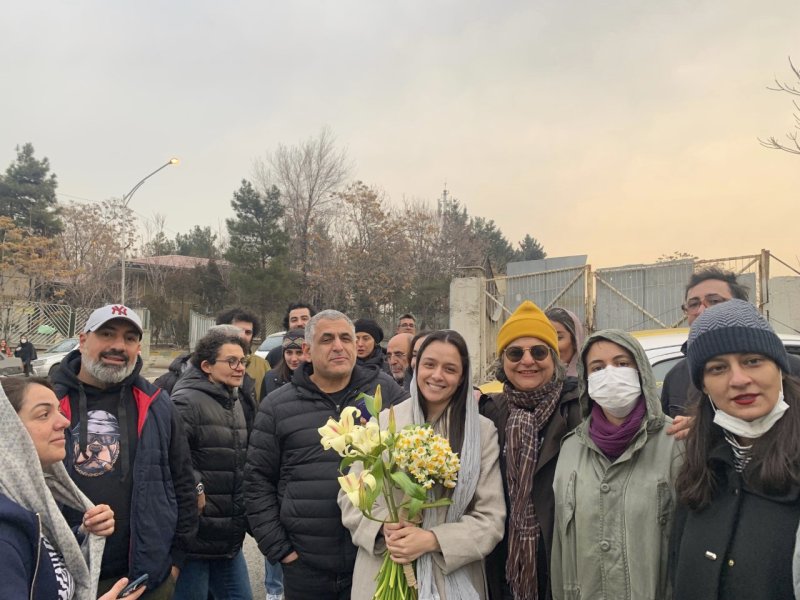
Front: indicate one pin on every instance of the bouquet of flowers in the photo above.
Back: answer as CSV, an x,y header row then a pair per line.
x,y
411,460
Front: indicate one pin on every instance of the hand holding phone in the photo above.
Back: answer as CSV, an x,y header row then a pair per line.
x,y
133,586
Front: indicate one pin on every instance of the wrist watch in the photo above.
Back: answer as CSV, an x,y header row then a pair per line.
x,y
200,489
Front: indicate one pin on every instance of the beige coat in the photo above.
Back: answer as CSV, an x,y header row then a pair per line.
x,y
463,544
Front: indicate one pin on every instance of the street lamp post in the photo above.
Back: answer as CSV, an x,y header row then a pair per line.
x,y
125,200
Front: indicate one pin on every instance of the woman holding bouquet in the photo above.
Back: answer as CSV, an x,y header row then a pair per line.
x,y
451,542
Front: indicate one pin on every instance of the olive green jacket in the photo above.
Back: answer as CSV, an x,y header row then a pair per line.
x,y
614,519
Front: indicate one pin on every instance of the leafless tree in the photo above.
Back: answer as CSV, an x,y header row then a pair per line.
x,y
91,244
793,89
307,175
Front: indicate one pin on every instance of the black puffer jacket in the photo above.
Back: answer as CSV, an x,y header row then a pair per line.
x,y
291,482
216,428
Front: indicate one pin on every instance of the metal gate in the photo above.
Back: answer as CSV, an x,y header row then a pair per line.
x,y
630,298
47,324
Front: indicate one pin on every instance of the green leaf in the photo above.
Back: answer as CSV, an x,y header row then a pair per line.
x,y
369,403
347,461
437,503
410,488
414,506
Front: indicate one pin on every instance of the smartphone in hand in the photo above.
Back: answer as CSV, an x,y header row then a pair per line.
x,y
133,586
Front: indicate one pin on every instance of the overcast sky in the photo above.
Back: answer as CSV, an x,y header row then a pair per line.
x,y
623,129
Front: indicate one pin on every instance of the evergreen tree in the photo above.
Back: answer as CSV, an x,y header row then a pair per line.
x,y
530,249
200,242
28,193
258,248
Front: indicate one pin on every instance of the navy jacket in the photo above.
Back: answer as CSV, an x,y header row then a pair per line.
x,y
164,503
22,555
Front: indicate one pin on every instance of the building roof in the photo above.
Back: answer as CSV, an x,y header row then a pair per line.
x,y
175,261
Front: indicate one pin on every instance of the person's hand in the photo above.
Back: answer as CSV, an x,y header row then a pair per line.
x,y
114,592
389,528
290,558
681,426
174,573
201,502
99,520
407,544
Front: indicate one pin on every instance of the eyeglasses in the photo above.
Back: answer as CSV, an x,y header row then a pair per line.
x,y
692,307
515,353
395,355
235,363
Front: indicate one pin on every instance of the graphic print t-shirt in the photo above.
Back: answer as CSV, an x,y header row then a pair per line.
x,y
98,473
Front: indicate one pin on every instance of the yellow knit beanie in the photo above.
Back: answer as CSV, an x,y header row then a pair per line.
x,y
527,321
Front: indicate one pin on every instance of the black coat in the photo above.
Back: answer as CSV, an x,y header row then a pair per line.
x,y
216,429
291,483
177,368
738,547
564,419
25,352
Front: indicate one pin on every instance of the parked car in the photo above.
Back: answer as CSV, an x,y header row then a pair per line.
x,y
273,340
48,361
663,349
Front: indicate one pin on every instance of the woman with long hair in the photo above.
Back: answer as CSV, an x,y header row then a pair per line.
x,y
570,336
452,541
614,482
536,409
739,488
41,557
291,357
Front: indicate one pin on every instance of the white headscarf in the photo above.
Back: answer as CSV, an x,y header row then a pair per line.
x,y
23,480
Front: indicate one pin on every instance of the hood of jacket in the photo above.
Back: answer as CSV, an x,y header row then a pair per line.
x,y
180,364
67,373
654,413
196,380
23,481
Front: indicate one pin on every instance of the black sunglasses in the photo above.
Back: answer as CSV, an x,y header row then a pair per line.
x,y
515,353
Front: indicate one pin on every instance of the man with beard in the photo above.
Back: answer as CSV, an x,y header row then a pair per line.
x,y
126,448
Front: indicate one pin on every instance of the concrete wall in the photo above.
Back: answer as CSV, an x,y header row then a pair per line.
x,y
466,316
784,304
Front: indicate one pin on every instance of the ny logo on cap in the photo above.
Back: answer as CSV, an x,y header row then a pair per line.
x,y
119,310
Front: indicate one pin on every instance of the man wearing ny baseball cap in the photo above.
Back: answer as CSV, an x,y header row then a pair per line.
x,y
149,483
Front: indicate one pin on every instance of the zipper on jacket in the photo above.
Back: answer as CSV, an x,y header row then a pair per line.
x,y
38,553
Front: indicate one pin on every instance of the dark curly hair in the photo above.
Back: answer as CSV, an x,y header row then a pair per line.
x,y
227,317
208,346
295,306
738,291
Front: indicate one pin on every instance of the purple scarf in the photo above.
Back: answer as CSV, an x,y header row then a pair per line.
x,y
614,439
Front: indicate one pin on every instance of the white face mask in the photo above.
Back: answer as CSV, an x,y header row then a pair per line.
x,y
615,389
750,429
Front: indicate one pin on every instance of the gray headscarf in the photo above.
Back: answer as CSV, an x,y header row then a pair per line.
x,y
457,584
23,480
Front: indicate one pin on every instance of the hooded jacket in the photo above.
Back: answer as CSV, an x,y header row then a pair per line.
x,y
215,425
613,518
176,368
29,508
291,483
163,504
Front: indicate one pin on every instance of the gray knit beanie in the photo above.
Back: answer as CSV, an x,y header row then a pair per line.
x,y
733,326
